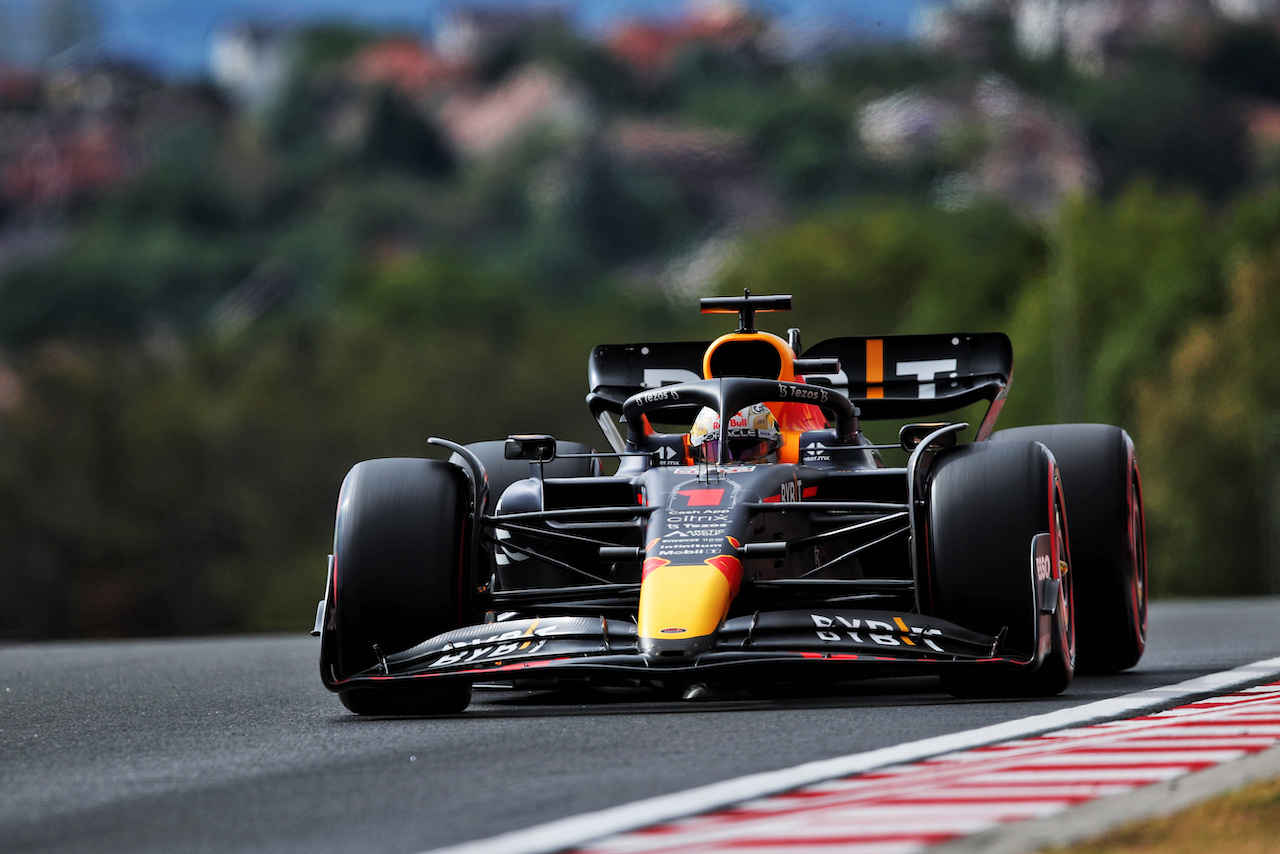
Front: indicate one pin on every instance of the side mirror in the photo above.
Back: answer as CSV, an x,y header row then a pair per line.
x,y
911,435
535,447
817,366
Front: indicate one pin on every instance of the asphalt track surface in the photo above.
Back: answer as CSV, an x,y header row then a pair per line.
x,y
218,745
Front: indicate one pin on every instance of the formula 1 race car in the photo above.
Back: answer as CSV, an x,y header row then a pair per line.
x,y
767,543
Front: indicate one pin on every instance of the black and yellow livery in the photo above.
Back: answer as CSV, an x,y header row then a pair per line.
x,y
519,561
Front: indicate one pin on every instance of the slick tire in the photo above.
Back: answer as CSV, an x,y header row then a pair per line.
x,y
398,569
503,472
987,503
1108,538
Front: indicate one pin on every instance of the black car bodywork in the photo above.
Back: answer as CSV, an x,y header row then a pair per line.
x,y
517,561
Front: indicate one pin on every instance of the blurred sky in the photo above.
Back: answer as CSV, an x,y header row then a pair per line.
x,y
171,36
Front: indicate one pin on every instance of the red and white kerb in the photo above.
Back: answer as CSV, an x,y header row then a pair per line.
x,y
906,808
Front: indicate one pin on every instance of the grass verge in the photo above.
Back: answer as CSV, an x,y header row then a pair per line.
x,y
1246,821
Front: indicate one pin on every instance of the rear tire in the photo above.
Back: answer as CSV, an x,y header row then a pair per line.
x,y
1108,538
987,504
398,578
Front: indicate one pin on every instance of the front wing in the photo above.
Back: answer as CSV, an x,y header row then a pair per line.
x,y
831,644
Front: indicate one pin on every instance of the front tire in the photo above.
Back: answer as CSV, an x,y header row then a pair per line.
x,y
987,505
1108,538
398,579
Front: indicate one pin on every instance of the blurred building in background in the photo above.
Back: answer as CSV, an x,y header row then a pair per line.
x,y
250,62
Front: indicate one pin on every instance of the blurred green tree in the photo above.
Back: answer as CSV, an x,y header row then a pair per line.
x,y
1162,121
1124,278
1211,417
892,263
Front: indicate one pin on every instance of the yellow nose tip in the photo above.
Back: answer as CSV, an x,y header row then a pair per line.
x,y
678,602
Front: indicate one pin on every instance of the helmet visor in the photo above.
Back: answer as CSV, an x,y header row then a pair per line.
x,y
744,449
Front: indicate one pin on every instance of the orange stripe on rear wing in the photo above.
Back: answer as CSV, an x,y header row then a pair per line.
x,y
875,367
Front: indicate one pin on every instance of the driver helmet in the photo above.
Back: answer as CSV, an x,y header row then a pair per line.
x,y
752,435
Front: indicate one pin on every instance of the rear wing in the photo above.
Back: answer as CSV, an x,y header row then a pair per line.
x,y
907,377
904,377
617,371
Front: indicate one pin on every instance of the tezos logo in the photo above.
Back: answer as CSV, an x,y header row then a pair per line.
x,y
817,394
659,395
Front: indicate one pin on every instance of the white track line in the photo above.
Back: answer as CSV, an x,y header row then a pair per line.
x,y
581,829
960,795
